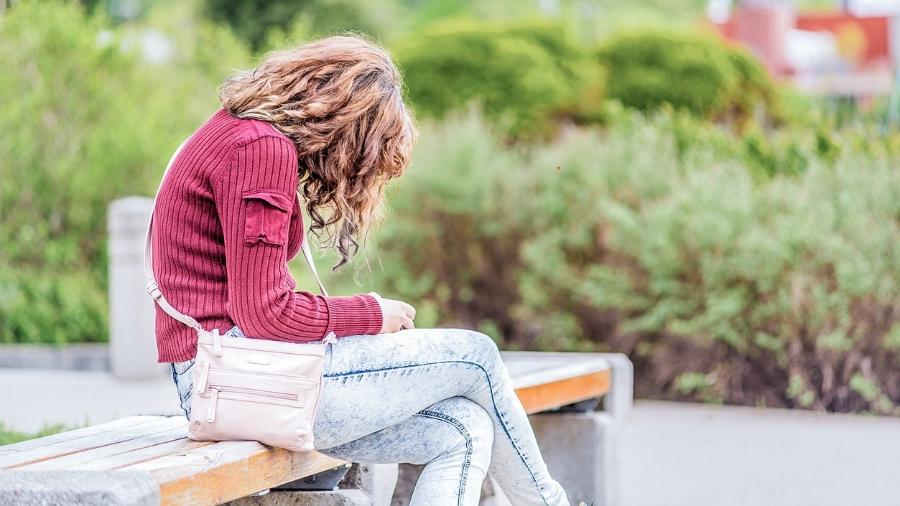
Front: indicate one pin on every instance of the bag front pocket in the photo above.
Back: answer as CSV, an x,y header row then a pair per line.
x,y
263,388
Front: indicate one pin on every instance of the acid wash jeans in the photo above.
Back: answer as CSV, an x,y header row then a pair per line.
x,y
439,397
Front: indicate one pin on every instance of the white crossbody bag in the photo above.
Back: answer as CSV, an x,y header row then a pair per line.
x,y
249,389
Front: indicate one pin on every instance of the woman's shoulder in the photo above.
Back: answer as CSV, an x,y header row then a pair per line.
x,y
217,144
248,130
224,130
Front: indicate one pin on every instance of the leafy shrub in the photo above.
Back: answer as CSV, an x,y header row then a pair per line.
x,y
720,286
526,77
41,306
648,69
85,121
766,153
779,293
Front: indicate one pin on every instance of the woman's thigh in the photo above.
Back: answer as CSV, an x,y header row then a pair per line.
x,y
374,382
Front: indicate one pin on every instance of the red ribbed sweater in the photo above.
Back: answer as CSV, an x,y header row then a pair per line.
x,y
227,220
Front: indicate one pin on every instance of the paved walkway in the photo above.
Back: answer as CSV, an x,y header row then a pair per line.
x,y
684,454
674,454
32,398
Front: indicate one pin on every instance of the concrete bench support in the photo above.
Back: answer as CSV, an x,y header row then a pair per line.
x,y
351,497
582,450
618,401
85,488
582,454
364,485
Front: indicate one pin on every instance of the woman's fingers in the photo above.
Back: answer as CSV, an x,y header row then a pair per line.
x,y
396,314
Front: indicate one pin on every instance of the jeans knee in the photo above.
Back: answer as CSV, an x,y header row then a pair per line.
x,y
483,347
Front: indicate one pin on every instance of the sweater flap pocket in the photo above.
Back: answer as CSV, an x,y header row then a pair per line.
x,y
267,217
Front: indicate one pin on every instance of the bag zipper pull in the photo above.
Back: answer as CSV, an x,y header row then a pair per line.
x,y
203,377
211,411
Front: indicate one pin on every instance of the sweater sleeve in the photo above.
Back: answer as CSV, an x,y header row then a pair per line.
x,y
254,197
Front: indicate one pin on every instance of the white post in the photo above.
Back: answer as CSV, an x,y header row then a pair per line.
x,y
132,341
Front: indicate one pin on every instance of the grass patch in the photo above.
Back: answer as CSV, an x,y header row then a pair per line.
x,y
9,436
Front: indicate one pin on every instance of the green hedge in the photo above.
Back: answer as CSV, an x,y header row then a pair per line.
x,y
526,77
721,286
51,307
530,77
697,73
85,120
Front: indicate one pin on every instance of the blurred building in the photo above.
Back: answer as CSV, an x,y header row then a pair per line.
x,y
849,51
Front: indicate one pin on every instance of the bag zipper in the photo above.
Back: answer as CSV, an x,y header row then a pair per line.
x,y
289,377
216,389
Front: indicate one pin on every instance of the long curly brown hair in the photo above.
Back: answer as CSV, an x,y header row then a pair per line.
x,y
340,100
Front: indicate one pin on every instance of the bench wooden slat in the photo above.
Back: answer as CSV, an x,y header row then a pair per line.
x,y
122,447
531,368
564,392
149,453
551,380
114,425
226,471
11,459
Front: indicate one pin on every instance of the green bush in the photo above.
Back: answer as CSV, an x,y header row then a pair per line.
x,y
779,293
720,286
696,73
85,120
526,77
764,152
42,306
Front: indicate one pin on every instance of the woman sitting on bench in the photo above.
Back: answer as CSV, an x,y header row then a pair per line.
x,y
328,118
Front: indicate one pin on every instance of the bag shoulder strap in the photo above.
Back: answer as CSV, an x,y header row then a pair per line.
x,y
307,254
153,287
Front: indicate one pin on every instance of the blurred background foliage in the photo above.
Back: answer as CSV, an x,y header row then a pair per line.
x,y
592,175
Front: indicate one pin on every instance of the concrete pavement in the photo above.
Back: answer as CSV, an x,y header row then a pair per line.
x,y
687,454
32,398
674,454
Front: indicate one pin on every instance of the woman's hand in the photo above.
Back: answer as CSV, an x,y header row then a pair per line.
x,y
395,314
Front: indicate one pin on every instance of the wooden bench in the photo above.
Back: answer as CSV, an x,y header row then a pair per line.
x,y
148,459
